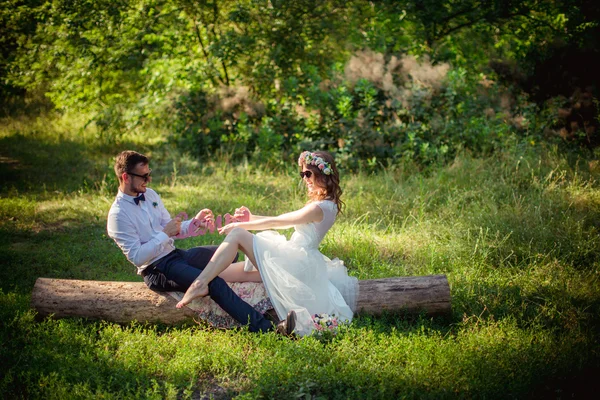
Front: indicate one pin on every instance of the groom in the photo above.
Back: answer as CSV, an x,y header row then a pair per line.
x,y
142,227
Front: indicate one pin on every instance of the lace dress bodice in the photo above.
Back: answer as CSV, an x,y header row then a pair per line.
x,y
309,236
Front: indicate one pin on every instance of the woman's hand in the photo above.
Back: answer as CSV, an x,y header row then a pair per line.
x,y
228,228
242,214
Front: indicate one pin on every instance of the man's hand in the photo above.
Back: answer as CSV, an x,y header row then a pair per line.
x,y
205,215
173,227
205,218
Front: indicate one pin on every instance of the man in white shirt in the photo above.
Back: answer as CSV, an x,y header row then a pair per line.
x,y
142,227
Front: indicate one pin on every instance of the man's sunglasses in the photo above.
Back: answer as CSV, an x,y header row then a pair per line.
x,y
307,174
145,177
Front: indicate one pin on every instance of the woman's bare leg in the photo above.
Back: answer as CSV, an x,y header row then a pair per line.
x,y
235,273
238,239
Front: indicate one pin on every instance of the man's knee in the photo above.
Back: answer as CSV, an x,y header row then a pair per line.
x,y
199,257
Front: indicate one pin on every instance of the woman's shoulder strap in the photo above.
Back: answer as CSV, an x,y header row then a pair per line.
x,y
327,205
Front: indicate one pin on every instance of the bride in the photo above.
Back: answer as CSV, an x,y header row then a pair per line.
x,y
297,277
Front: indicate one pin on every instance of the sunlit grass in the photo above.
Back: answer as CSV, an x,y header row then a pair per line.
x,y
516,234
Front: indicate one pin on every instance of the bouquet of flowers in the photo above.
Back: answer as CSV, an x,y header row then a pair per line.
x,y
325,323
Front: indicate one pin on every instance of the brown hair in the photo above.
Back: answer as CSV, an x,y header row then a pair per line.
x,y
127,160
330,182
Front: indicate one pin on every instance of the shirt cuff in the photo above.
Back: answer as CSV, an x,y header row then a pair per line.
x,y
183,232
162,237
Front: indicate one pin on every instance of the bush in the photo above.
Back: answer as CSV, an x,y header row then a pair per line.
x,y
376,112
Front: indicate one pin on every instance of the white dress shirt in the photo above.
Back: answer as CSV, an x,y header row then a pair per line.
x,y
138,228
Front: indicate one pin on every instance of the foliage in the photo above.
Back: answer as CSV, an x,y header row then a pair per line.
x,y
126,61
261,78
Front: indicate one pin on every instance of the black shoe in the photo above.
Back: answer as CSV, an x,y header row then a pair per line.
x,y
287,327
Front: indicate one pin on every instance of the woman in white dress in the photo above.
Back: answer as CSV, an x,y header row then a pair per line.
x,y
296,275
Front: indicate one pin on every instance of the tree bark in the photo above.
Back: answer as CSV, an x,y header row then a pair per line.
x,y
412,294
124,302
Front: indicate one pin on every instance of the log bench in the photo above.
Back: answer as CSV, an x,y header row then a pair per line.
x,y
124,302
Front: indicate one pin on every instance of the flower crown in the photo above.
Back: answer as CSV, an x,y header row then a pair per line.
x,y
312,159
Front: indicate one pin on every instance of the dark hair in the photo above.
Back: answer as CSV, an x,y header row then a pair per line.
x,y
126,162
330,182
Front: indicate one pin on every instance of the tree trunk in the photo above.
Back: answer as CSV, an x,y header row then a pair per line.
x,y
413,294
124,302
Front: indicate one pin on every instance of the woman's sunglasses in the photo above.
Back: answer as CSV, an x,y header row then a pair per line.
x,y
307,174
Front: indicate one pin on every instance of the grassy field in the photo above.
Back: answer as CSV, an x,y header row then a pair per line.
x,y
515,233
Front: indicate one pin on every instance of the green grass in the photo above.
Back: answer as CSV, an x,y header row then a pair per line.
x,y
515,233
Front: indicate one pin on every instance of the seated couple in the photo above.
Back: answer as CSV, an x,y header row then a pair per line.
x,y
299,280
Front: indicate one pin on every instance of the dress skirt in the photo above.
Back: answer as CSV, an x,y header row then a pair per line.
x,y
297,276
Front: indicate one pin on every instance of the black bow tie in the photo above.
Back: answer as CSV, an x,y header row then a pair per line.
x,y
141,197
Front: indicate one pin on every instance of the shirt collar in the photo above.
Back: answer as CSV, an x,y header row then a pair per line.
x,y
126,197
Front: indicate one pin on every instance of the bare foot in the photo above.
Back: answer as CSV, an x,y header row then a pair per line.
x,y
197,289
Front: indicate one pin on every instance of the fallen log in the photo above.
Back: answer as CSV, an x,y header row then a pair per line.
x,y
124,302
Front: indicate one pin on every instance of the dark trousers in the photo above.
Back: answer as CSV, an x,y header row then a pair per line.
x,y
177,270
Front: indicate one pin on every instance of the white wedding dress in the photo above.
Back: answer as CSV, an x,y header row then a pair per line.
x,y
298,277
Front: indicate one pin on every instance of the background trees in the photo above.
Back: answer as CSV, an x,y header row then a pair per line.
x,y
376,82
